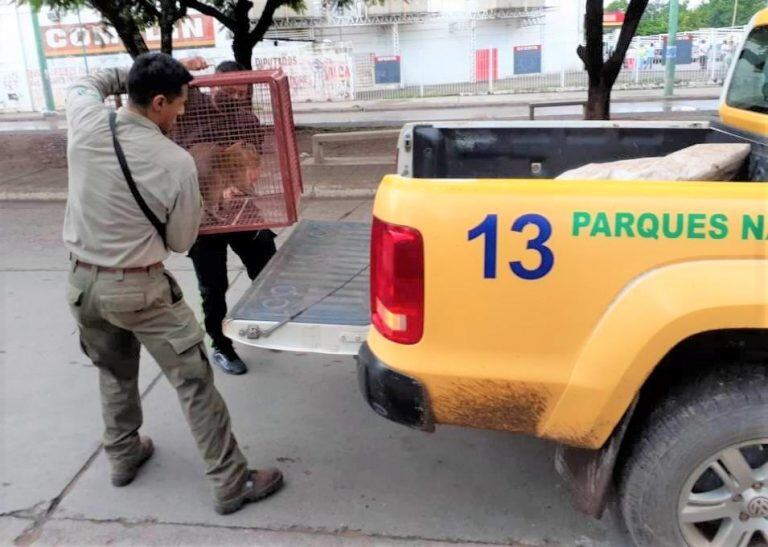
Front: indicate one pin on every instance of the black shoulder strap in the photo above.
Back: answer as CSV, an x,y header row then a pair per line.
x,y
159,226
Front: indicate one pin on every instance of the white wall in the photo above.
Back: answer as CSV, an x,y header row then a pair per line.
x,y
432,53
563,32
15,93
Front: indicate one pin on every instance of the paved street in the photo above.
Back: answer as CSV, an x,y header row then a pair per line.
x,y
352,477
628,103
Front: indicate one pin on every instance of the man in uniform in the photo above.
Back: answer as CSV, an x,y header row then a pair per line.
x,y
223,116
118,289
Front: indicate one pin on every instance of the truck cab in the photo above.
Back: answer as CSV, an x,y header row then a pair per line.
x,y
626,320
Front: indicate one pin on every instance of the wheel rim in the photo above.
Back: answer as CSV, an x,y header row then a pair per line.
x,y
725,500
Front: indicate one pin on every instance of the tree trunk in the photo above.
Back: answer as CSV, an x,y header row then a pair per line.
x,y
602,73
168,17
125,26
166,38
130,34
598,102
242,49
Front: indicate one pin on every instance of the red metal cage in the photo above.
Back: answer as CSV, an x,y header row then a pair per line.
x,y
239,128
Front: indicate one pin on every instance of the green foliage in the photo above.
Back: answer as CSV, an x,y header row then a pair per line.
x,y
710,13
140,12
60,4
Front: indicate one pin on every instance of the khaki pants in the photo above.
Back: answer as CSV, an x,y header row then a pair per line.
x,y
117,312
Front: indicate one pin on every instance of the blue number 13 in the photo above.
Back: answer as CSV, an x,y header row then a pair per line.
x,y
489,229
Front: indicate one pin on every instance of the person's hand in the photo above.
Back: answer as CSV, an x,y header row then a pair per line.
x,y
195,63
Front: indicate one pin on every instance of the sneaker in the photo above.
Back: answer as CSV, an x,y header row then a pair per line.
x,y
126,476
258,485
229,362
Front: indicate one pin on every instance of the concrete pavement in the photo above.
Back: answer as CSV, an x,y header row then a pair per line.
x,y
352,477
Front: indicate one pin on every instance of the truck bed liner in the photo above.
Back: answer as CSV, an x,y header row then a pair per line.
x,y
317,284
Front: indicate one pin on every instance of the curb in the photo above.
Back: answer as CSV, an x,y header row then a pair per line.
x,y
33,196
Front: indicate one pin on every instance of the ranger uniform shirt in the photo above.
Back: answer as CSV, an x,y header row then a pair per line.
x,y
103,224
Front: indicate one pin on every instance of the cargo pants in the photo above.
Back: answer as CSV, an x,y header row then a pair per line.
x,y
119,311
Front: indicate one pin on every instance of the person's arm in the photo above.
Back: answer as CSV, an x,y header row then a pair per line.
x,y
184,216
86,96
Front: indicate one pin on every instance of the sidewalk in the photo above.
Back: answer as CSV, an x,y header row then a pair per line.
x,y
353,479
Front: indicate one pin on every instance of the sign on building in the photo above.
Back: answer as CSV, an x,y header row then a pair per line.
x,y
527,59
613,18
387,69
62,40
683,51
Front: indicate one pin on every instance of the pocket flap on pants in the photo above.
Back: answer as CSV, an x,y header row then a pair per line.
x,y
186,338
122,302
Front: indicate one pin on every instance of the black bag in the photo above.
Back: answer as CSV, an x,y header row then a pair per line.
x,y
159,226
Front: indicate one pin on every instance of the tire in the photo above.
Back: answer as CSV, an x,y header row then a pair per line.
x,y
674,459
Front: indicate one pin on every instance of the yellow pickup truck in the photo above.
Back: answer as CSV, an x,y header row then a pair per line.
x,y
627,320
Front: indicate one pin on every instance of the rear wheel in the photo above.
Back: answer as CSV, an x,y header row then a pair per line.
x,y
698,475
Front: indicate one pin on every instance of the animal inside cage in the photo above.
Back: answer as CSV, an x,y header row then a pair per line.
x,y
238,127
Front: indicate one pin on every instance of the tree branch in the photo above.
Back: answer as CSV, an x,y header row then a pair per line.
x,y
628,29
581,51
205,9
593,28
150,8
265,21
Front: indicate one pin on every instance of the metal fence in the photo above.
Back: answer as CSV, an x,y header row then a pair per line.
x,y
572,80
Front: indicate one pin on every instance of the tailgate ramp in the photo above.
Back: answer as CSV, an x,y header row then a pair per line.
x,y
313,296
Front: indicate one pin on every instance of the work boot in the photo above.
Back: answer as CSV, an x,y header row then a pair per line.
x,y
228,361
258,485
125,476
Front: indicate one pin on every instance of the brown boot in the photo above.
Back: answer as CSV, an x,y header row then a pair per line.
x,y
125,476
258,485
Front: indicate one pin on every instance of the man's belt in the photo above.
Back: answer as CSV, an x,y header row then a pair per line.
x,y
142,269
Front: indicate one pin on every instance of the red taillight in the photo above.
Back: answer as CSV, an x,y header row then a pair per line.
x,y
397,282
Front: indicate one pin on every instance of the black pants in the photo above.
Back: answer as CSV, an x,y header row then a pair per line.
x,y
209,256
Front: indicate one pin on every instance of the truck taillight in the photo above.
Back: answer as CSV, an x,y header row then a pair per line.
x,y
397,282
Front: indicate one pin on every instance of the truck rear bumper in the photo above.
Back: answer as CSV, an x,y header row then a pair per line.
x,y
393,395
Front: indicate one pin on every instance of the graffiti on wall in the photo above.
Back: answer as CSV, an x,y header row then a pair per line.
x,y
11,94
316,72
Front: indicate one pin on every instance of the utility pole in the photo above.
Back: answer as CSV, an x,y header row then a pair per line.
x,y
669,79
24,59
50,107
82,31
735,11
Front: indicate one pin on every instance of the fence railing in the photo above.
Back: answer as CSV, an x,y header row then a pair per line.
x,y
572,80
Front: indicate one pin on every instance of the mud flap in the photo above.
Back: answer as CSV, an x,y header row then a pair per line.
x,y
589,472
313,296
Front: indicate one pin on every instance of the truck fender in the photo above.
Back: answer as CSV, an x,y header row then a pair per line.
x,y
646,320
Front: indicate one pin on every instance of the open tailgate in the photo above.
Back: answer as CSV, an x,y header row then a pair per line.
x,y
313,296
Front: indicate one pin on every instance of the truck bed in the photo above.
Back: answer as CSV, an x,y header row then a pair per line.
x,y
313,295
544,150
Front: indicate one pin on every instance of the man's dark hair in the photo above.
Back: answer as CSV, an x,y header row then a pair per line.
x,y
229,66
155,74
